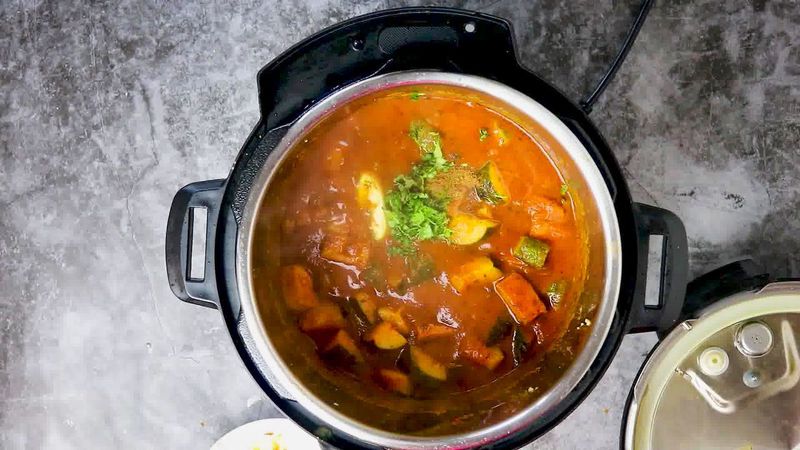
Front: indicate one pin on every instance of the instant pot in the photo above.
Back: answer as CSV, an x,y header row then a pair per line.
x,y
440,46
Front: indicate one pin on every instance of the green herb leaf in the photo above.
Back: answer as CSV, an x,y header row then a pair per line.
x,y
415,95
411,212
427,139
564,189
483,134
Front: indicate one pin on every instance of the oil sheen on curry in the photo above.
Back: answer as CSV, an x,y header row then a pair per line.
x,y
425,244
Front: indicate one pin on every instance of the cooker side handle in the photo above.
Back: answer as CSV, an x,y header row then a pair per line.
x,y
180,234
661,317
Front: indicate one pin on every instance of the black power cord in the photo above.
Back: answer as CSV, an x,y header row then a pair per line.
x,y
588,102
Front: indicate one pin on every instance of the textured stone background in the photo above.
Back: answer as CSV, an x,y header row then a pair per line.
x,y
106,109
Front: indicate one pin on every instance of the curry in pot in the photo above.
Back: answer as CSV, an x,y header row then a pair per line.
x,y
422,244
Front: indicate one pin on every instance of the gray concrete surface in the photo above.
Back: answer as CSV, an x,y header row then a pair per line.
x,y
107,108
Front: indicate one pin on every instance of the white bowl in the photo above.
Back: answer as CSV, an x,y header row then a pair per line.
x,y
267,434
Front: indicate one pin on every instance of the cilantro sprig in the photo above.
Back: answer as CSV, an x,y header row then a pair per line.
x,y
412,213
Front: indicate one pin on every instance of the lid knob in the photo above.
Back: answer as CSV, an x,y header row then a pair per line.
x,y
754,339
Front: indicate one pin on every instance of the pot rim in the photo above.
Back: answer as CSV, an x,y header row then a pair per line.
x,y
572,147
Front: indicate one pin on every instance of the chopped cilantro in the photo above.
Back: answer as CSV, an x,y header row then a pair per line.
x,y
415,95
483,134
427,139
564,189
412,213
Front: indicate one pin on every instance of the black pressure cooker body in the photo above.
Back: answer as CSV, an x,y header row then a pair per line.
x,y
379,43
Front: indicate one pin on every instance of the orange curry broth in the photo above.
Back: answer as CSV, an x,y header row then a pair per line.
x,y
314,192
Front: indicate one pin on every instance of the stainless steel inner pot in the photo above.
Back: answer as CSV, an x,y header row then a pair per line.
x,y
592,318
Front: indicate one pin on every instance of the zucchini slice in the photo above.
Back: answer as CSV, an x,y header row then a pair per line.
x,y
475,351
322,317
343,348
366,306
395,381
467,229
426,367
370,197
385,337
478,270
531,251
500,329
491,187
395,318
519,345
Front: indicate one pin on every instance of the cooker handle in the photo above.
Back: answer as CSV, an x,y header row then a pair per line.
x,y
661,317
180,234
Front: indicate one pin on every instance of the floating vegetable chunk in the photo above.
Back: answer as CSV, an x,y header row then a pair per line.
x,y
395,381
343,348
519,345
468,229
480,270
339,248
532,251
426,367
433,331
520,298
395,318
500,329
547,218
426,137
477,352
555,293
418,270
491,187
500,134
385,337
322,317
366,305
355,315
298,288
370,197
